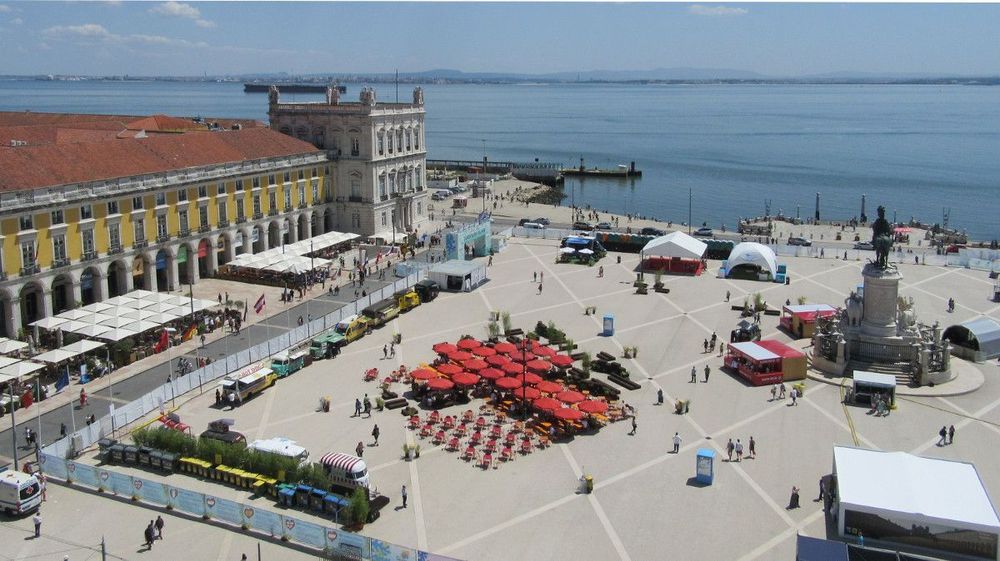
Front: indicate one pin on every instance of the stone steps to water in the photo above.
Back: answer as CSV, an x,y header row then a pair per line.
x,y
900,370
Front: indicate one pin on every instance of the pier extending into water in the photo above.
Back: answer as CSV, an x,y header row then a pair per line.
x,y
548,173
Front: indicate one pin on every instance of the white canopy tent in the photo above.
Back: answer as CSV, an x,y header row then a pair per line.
x,y
50,322
55,356
7,361
923,502
292,257
19,369
117,334
675,244
11,346
97,307
752,253
118,300
76,313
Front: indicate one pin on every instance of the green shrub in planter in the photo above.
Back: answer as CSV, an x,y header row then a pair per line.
x,y
359,506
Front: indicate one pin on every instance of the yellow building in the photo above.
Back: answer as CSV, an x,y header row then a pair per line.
x,y
93,206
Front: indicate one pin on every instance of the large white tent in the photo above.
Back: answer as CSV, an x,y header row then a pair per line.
x,y
292,258
675,244
752,253
922,502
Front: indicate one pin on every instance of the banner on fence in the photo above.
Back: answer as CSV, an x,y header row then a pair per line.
x,y
225,510
87,475
151,491
346,544
190,502
385,551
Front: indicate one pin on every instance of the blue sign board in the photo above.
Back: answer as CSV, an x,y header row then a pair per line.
x,y
609,325
705,466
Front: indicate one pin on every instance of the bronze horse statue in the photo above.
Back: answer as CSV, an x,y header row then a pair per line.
x,y
881,239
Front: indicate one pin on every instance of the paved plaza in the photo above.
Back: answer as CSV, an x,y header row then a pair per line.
x,y
645,505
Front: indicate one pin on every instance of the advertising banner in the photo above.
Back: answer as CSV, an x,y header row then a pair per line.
x,y
152,492
190,502
385,551
120,484
266,521
309,534
54,466
222,509
85,475
346,544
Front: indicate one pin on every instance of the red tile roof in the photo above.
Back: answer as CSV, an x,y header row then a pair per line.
x,y
32,167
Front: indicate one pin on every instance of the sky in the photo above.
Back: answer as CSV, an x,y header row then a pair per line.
x,y
219,38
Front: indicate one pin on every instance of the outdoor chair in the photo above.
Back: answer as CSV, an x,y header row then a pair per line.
x,y
480,422
487,460
414,422
461,430
468,415
525,446
453,444
439,437
510,439
469,454
425,431
495,431
507,454
449,422
501,417
434,417
491,445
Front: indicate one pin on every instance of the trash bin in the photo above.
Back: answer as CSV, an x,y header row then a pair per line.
x,y
588,483
302,493
104,448
286,495
332,504
131,454
801,387
316,497
143,455
169,461
155,459
116,453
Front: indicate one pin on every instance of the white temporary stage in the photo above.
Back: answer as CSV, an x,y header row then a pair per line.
x,y
752,253
908,489
675,244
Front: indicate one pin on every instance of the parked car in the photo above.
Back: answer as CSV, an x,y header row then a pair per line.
x,y
542,221
582,226
799,241
533,226
603,226
704,232
866,246
652,232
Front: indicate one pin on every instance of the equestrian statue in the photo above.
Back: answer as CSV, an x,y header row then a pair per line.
x,y
882,239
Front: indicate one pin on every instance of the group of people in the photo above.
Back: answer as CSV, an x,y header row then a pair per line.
x,y
737,449
153,532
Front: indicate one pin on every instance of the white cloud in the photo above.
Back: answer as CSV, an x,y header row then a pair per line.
x,y
700,10
17,21
93,32
87,31
182,10
4,8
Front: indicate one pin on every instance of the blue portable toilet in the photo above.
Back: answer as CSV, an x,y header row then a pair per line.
x,y
705,466
609,325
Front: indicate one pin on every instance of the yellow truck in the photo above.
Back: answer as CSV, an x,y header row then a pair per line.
x,y
237,388
381,313
406,299
353,327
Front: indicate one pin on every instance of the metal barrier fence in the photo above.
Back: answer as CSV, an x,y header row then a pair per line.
x,y
327,540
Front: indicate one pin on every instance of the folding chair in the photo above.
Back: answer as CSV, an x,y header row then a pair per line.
x,y
439,437
453,444
414,422
477,437
526,446
469,454
425,431
495,431
507,454
487,460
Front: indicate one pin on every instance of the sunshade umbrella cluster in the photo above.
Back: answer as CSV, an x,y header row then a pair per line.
x,y
484,351
448,368
497,360
508,383
469,344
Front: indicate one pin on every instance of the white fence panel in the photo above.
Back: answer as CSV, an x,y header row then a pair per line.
x,y
232,363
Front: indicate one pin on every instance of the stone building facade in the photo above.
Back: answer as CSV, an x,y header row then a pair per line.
x,y
378,157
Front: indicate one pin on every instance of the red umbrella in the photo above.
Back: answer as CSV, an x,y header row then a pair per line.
x,y
469,344
468,379
459,356
444,348
484,351
570,396
538,365
505,347
440,384
448,368
475,364
568,414
423,374
522,356
512,368
561,360
496,360
542,350
547,404
527,393
549,387
593,406
491,373
530,378
508,383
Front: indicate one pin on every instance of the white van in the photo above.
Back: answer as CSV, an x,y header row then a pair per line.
x,y
19,492
533,226
281,446
346,470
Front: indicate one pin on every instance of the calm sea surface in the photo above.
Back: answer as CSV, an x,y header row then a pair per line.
x,y
917,150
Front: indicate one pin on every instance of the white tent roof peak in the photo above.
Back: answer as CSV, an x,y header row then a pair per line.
x,y
675,244
752,253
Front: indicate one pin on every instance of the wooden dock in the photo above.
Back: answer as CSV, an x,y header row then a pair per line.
x,y
621,172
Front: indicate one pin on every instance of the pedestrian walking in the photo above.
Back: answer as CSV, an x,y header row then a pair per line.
x,y
781,391
541,277
793,501
694,375
708,369
534,276
951,434
727,296
822,488
774,392
62,430
159,527
722,347
705,346
37,521
753,448
403,494
634,426
730,448
357,408
659,396
385,351
600,272
43,484
739,450
539,289
150,534
360,449
218,397
375,433
795,395
677,442
368,406
392,350
943,433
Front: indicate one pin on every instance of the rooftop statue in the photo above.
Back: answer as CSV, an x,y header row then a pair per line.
x,y
882,239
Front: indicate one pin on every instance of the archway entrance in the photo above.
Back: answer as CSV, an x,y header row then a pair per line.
x,y
183,255
31,303
88,285
139,272
116,278
303,227
258,240
317,224
162,271
62,294
203,248
273,235
222,250
286,231
328,219
239,244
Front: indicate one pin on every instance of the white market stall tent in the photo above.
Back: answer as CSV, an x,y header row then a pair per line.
x,y
675,244
907,500
754,256
457,275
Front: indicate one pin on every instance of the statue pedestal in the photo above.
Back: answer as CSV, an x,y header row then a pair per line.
x,y
881,291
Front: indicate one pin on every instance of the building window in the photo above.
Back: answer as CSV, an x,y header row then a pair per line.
x,y
288,177
182,195
88,242
27,222
256,205
136,203
381,185
203,216
420,209
314,172
112,207
270,179
302,193
288,197
223,216
326,171
161,226
389,138
408,133
416,138
57,217
315,190
381,144
27,255
416,177
59,248
240,212
399,141
182,220
221,189
355,147
202,191
239,185
355,187
383,218
272,200
161,199
86,212
139,229
302,174
114,236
